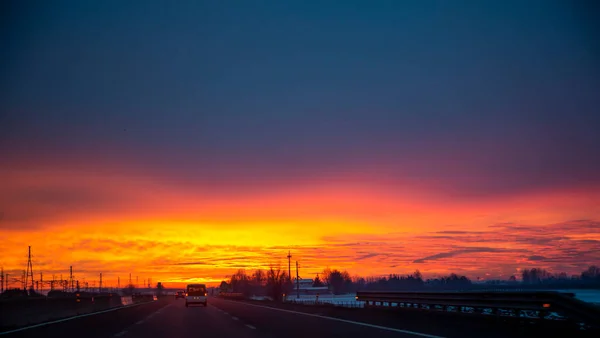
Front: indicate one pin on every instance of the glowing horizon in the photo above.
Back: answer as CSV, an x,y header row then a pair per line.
x,y
180,236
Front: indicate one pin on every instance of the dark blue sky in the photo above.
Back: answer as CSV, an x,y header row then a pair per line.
x,y
474,98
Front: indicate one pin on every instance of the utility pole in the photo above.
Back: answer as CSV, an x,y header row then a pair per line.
x,y
297,282
52,283
130,279
41,282
29,269
6,282
100,282
289,257
23,282
71,278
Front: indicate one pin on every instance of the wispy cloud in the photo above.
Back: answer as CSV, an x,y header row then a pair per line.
x,y
191,263
371,255
536,258
461,252
460,232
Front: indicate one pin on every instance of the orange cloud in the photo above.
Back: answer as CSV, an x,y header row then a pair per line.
x,y
119,225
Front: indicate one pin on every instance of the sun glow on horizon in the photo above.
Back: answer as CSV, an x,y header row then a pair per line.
x,y
178,236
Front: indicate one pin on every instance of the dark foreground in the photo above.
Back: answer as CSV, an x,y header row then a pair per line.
x,y
223,318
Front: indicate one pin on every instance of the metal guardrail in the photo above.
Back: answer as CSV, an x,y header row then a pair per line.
x,y
345,304
540,305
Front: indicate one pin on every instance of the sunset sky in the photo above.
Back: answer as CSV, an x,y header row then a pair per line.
x,y
183,140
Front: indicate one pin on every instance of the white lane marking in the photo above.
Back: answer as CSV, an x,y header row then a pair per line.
x,y
341,320
121,333
157,312
250,327
234,318
71,318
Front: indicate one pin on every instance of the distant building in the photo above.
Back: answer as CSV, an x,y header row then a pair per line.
x,y
305,287
304,283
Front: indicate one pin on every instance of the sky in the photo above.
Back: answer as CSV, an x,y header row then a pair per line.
x,y
184,140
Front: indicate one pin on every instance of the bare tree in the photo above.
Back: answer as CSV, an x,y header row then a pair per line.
x,y
259,277
278,283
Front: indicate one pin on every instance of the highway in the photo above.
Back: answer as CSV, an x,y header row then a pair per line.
x,y
232,319
224,318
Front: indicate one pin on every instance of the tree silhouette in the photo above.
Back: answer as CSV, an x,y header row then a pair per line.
x,y
317,282
259,277
278,283
224,287
336,281
593,272
159,289
240,282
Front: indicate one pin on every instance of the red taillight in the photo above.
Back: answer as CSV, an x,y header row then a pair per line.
x,y
205,294
186,294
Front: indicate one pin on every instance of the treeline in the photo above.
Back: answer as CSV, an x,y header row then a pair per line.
x,y
537,276
275,282
340,282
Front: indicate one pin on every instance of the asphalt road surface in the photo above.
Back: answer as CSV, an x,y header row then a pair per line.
x,y
223,318
233,319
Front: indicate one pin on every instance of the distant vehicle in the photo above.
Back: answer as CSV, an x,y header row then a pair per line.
x,y
179,294
195,294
